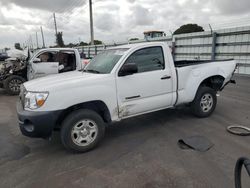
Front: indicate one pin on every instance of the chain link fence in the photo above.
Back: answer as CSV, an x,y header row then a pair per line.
x,y
221,44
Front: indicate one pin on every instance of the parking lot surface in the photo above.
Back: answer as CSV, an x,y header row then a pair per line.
x,y
139,152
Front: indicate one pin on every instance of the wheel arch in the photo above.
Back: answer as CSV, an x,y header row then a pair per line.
x,y
98,106
215,82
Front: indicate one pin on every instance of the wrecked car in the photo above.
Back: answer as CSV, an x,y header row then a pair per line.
x,y
12,74
16,71
3,56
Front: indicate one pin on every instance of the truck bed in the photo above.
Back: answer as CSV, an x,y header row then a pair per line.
x,y
190,73
184,63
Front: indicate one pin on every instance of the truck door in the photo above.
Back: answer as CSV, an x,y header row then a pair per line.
x,y
43,64
148,90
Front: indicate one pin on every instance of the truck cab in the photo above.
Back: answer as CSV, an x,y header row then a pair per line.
x,y
53,61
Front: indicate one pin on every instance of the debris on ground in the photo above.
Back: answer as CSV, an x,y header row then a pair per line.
x,y
239,130
198,143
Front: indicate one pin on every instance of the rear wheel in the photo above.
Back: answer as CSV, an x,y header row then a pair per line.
x,y
12,84
82,130
205,102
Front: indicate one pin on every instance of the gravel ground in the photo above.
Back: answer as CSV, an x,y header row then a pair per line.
x,y
139,152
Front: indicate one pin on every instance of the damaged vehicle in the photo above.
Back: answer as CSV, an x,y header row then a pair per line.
x,y
15,71
118,83
3,56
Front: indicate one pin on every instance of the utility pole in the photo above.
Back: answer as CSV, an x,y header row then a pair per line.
x,y
91,22
42,37
37,45
54,15
31,42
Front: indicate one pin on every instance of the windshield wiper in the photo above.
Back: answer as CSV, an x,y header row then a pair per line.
x,y
91,70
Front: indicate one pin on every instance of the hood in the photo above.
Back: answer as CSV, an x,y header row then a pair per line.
x,y
17,53
63,80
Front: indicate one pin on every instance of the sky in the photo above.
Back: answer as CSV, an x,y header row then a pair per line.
x,y
114,20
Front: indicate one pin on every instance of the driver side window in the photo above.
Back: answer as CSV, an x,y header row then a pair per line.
x,y
48,57
148,59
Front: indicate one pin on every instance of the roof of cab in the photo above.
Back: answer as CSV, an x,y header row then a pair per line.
x,y
57,49
154,31
134,45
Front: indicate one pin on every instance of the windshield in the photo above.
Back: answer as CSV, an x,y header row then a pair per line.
x,y
31,55
105,61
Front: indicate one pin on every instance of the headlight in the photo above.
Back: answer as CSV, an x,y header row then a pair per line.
x,y
34,100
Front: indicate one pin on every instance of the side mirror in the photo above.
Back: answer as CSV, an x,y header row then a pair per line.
x,y
37,60
128,69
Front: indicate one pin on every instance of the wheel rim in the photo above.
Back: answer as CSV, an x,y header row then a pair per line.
x,y
84,132
206,102
14,85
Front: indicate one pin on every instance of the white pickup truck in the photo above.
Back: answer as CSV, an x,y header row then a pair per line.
x,y
118,83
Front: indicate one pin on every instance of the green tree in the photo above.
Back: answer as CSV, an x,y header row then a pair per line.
x,y
18,46
83,43
6,49
59,39
96,42
70,45
188,28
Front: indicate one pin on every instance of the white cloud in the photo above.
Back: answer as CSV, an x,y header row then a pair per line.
x,y
114,20
48,5
142,15
232,6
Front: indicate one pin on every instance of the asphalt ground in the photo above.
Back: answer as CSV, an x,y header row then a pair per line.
x,y
138,152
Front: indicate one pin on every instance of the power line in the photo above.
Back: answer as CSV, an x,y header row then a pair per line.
x,y
67,11
61,17
231,23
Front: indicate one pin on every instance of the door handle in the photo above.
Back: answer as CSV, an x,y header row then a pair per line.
x,y
133,97
165,77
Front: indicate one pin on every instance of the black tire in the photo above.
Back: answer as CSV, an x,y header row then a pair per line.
x,y
203,108
12,84
72,120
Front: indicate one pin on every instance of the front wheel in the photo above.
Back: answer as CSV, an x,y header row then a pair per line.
x,y
204,102
12,84
82,130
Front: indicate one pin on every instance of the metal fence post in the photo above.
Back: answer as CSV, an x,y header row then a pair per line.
x,y
173,47
83,51
89,52
213,53
95,49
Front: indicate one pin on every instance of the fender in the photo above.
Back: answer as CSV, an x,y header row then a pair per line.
x,y
190,79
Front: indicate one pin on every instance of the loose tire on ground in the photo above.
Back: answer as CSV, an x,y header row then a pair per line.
x,y
12,84
82,130
204,102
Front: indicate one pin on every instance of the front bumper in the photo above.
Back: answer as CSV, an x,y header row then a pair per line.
x,y
36,124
